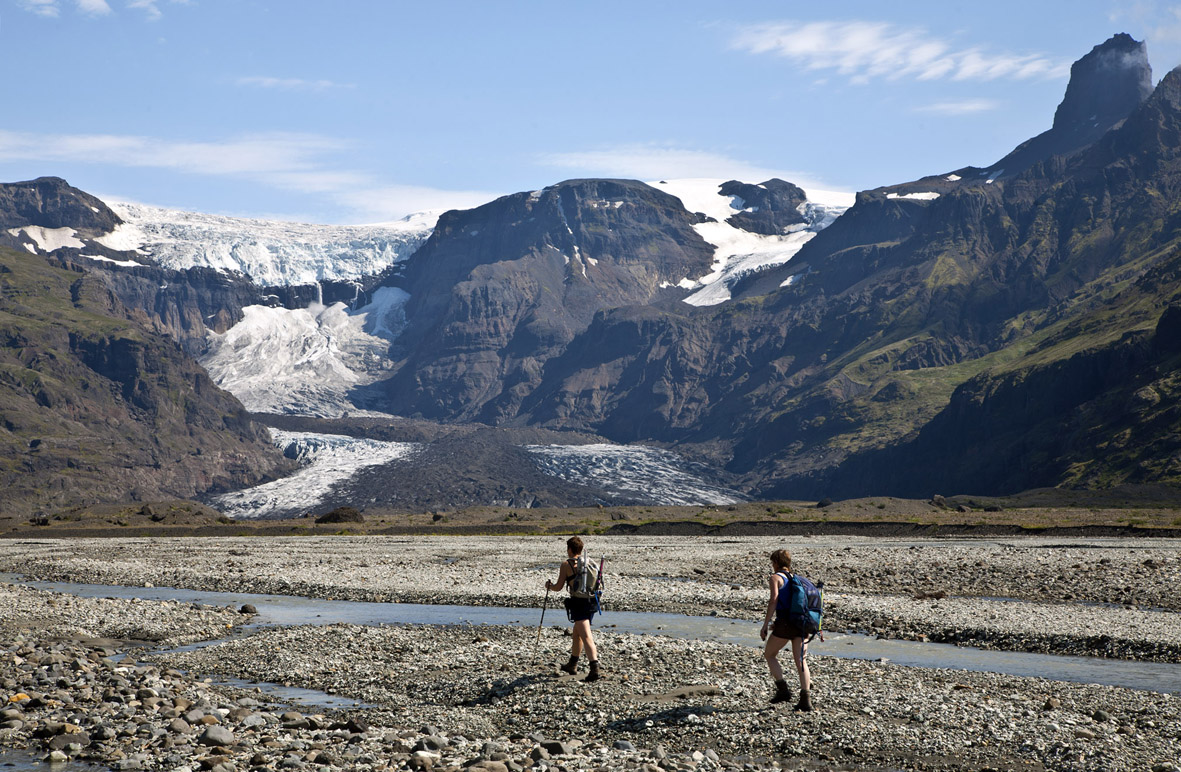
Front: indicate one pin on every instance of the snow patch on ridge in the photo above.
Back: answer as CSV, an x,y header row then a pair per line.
x,y
306,361
631,471
49,239
329,459
739,252
270,252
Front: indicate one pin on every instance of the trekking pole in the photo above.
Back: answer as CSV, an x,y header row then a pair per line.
x,y
599,586
542,622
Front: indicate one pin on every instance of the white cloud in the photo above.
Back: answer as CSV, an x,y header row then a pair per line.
x,y
149,7
94,7
287,161
960,107
1160,23
291,84
48,8
52,8
863,51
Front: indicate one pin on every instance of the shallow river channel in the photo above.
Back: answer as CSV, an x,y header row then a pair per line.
x,y
284,610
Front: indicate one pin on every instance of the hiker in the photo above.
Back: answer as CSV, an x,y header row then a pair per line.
x,y
782,632
578,610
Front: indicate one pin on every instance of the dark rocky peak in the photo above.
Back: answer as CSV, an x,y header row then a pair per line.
x,y
51,202
769,208
1105,87
1154,130
580,224
498,290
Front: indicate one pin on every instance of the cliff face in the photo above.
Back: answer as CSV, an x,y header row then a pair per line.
x,y
184,305
50,202
499,290
96,408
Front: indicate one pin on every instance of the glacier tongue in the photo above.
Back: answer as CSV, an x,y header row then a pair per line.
x,y
631,471
306,361
270,252
329,459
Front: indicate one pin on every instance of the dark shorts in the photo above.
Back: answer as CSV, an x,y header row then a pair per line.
x,y
783,629
578,609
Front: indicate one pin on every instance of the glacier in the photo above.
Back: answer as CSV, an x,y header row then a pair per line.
x,y
638,472
306,361
328,459
269,252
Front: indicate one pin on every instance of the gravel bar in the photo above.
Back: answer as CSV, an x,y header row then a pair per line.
x,y
1100,597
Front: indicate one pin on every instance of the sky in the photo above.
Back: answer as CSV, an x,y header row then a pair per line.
x,y
360,111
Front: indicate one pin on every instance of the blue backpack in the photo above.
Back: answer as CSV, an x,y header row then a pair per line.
x,y
802,603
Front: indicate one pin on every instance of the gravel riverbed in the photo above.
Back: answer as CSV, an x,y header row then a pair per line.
x,y
1104,597
490,697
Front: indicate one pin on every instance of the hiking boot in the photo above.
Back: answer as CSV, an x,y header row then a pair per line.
x,y
782,693
594,674
570,667
805,702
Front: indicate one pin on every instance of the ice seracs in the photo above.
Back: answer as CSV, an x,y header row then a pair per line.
x,y
739,252
306,361
270,252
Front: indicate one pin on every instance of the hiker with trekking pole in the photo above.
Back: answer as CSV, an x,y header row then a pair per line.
x,y
584,583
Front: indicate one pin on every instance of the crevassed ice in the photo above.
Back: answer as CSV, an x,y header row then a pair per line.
x,y
634,472
329,459
269,252
306,361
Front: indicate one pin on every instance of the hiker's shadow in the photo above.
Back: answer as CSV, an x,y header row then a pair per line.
x,y
503,688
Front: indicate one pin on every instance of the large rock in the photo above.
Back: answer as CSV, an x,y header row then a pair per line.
x,y
217,736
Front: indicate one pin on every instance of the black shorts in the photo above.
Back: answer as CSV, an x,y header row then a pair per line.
x,y
784,629
578,609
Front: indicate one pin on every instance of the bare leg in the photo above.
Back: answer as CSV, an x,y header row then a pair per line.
x,y
576,642
583,635
770,651
798,649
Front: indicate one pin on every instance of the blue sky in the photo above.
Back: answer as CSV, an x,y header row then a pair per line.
x,y
366,110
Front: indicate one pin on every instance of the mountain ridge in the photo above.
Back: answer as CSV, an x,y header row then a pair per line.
x,y
984,330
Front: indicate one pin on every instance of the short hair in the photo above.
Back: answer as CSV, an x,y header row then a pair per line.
x,y
574,544
781,559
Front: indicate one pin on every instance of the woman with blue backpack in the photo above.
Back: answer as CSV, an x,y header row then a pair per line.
x,y
789,626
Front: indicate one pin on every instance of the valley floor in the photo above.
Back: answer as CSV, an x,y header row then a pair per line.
x,y
483,694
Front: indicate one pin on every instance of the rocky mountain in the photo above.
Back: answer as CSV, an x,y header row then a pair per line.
x,y
498,290
925,309
95,407
1105,86
983,330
